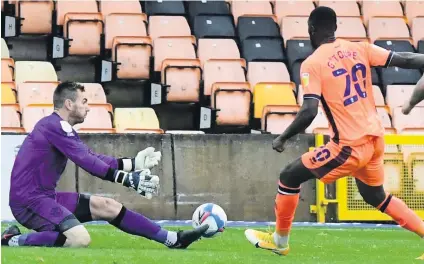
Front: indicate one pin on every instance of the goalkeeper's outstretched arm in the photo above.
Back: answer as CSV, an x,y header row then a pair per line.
x,y
136,176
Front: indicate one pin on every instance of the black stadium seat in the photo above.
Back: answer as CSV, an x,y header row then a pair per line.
x,y
263,49
421,46
375,77
216,8
395,45
394,75
206,26
257,27
166,8
298,50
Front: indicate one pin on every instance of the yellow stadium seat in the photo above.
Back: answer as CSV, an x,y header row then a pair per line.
x,y
272,94
8,95
136,120
35,71
4,49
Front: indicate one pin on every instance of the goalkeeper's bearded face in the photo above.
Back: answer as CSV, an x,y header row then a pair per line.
x,y
79,108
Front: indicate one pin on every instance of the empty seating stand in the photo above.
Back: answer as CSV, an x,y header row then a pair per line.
x,y
10,118
297,52
168,26
342,8
36,17
209,26
257,27
217,49
276,118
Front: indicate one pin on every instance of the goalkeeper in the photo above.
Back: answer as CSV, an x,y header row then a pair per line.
x,y
57,216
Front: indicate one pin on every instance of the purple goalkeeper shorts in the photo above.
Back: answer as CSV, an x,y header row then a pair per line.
x,y
47,214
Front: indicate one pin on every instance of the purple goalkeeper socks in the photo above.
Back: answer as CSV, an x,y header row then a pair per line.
x,y
42,239
136,224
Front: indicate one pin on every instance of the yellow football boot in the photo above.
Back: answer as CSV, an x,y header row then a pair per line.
x,y
265,240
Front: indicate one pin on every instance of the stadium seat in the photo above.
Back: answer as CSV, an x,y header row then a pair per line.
x,y
74,7
267,72
4,49
168,26
98,120
385,118
378,96
413,9
36,16
371,9
263,49
276,118
294,28
124,25
31,114
396,95
233,102
130,7
248,27
375,77
350,28
182,78
387,28
164,8
249,8
172,48
85,31
136,120
208,26
8,94
217,49
133,55
223,71
292,8
7,70
10,118
297,51
413,120
272,94
417,30
95,93
421,46
342,8
215,8
395,75
319,124
36,71
36,93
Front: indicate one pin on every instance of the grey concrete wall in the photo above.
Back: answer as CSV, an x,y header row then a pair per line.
x,y
238,172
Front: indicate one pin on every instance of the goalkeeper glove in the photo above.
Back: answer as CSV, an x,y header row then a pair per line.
x,y
145,159
142,181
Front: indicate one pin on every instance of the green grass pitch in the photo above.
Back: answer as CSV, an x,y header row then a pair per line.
x,y
308,245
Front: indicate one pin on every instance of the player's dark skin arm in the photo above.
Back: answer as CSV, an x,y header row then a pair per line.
x,y
409,60
303,119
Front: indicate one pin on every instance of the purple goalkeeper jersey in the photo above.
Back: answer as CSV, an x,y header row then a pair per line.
x,y
43,156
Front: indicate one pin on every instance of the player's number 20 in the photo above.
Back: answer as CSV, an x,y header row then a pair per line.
x,y
353,77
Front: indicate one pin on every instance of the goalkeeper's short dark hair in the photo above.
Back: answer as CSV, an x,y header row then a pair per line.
x,y
323,18
66,90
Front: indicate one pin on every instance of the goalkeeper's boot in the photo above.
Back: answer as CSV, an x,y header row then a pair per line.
x,y
185,238
7,234
265,240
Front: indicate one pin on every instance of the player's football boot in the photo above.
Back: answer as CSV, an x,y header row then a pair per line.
x,y
185,238
7,234
266,241
421,258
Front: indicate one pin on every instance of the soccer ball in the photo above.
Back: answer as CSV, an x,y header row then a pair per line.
x,y
211,214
